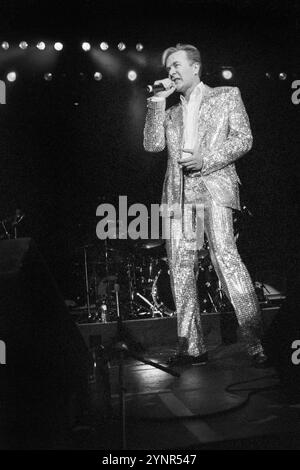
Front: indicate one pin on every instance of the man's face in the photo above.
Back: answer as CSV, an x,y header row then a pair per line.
x,y
182,71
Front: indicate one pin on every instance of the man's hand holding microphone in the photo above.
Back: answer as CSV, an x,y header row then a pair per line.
x,y
162,88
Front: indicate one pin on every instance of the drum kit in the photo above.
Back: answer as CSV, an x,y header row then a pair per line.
x,y
139,272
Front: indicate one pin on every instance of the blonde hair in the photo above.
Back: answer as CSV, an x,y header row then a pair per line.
x,y
191,51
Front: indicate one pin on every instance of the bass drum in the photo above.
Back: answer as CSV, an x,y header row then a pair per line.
x,y
161,291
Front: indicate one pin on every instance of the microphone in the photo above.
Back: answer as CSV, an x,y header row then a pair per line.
x,y
156,88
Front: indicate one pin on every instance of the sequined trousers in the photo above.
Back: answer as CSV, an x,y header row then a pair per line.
x,y
232,273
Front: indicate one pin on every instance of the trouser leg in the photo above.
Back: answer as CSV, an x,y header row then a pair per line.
x,y
233,274
181,254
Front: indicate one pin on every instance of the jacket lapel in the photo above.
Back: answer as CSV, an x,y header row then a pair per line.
x,y
202,128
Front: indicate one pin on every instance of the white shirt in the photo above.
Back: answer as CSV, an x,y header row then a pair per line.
x,y
190,116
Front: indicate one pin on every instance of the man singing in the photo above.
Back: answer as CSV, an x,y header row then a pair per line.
x,y
205,133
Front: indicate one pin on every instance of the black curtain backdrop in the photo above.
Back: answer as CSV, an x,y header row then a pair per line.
x,y
68,144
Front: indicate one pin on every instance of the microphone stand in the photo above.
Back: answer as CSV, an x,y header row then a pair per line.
x,y
123,350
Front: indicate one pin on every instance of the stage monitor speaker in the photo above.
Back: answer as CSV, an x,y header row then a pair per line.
x,y
47,361
282,345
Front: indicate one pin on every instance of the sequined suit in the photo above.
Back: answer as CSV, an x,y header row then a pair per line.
x,y
224,135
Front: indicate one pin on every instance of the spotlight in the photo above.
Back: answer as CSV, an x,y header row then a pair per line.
x,y
139,47
282,76
41,45
48,76
121,46
104,46
81,76
5,45
23,45
227,74
98,76
268,75
132,75
58,46
11,76
86,46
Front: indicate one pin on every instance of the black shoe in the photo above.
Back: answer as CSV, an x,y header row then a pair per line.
x,y
199,360
178,359
185,359
260,361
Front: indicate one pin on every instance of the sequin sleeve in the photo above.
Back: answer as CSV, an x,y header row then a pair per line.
x,y
154,130
239,140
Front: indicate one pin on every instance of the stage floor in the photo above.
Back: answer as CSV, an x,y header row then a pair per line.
x,y
225,404
200,409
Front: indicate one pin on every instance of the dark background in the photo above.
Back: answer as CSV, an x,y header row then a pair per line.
x,y
67,144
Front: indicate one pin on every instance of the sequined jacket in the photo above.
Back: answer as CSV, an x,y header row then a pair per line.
x,y
224,136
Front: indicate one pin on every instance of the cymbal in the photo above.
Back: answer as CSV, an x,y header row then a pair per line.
x,y
149,244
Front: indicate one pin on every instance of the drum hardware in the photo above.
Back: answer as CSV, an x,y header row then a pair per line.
x,y
7,234
87,287
261,292
162,294
202,253
219,302
154,309
13,223
212,298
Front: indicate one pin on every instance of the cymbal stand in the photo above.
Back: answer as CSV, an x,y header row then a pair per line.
x,y
106,257
108,299
131,275
17,219
5,229
87,287
123,350
219,298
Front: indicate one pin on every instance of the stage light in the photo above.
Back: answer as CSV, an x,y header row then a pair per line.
x,y
58,46
121,46
48,76
11,76
23,45
86,46
98,76
282,76
268,75
104,46
227,74
139,47
5,45
41,45
132,75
